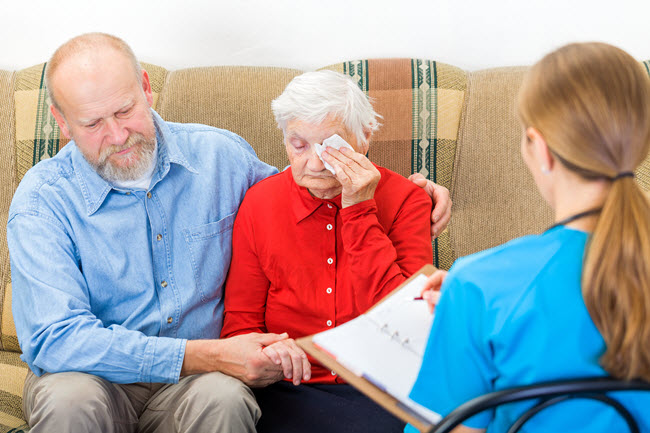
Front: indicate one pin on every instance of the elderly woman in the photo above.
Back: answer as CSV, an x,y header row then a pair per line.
x,y
313,250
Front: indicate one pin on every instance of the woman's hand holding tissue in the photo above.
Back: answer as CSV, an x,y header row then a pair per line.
x,y
357,175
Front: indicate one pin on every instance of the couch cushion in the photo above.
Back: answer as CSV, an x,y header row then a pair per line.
x,y
234,98
495,198
7,188
12,379
643,172
8,335
421,103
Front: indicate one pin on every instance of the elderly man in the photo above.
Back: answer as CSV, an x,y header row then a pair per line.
x,y
120,246
119,226
313,249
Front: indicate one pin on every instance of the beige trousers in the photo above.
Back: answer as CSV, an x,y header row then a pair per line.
x,y
79,402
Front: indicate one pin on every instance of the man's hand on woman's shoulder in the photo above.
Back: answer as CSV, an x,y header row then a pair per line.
x,y
441,213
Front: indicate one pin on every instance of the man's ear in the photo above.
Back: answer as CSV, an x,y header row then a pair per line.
x,y
540,148
60,120
146,88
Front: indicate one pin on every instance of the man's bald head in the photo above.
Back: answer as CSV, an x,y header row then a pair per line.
x,y
87,45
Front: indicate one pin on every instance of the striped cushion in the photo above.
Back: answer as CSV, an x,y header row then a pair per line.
x,y
421,103
37,134
12,379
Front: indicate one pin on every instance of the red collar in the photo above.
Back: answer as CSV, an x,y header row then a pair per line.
x,y
303,203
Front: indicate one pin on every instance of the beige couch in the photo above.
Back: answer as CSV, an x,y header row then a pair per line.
x,y
458,128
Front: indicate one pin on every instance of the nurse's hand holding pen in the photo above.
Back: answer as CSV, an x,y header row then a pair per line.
x,y
431,290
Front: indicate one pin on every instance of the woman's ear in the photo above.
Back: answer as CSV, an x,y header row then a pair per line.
x,y
367,135
541,150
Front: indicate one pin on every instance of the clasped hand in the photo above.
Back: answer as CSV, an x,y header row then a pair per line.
x,y
291,358
357,175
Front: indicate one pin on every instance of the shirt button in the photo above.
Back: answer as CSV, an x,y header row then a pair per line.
x,y
329,290
329,227
329,206
330,260
170,320
329,323
128,193
333,373
159,237
164,283
148,195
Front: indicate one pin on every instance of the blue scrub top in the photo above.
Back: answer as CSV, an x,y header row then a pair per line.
x,y
514,315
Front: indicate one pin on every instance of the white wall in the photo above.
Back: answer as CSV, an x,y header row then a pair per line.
x,y
308,34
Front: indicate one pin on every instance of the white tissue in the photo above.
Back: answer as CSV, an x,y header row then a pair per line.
x,y
335,142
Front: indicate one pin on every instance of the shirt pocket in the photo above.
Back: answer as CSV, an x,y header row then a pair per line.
x,y
210,251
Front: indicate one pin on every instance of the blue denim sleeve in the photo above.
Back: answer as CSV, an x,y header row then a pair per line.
x,y
456,366
258,170
52,311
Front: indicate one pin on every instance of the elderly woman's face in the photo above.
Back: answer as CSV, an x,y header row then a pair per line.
x,y
307,168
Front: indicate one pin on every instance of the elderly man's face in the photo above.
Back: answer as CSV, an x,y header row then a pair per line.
x,y
307,168
105,109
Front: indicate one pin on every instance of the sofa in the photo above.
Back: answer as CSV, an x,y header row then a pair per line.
x,y
458,128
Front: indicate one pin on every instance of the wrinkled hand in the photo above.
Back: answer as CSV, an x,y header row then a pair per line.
x,y
291,358
240,357
355,172
441,213
431,290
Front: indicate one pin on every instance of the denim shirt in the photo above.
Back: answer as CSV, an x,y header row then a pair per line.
x,y
113,282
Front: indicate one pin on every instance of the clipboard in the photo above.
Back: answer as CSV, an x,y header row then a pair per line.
x,y
387,401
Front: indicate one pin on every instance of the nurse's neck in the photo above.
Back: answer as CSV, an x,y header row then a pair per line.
x,y
574,195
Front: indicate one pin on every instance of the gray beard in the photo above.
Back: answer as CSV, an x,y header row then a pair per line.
x,y
143,156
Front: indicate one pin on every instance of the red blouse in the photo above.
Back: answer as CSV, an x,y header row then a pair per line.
x,y
303,265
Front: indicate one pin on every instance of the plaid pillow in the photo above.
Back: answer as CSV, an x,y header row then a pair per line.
x,y
421,103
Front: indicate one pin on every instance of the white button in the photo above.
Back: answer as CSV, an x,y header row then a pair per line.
x,y
329,206
329,290
333,373
329,227
330,260
329,323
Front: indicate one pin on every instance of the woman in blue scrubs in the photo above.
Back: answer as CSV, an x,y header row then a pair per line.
x,y
573,301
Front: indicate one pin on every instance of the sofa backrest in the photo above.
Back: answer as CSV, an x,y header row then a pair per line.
x,y
7,187
457,128
495,198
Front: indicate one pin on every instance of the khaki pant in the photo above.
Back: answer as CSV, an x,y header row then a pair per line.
x,y
79,402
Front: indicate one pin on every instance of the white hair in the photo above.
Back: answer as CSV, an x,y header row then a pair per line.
x,y
313,96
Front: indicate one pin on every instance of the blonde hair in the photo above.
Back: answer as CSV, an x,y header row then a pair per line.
x,y
81,44
591,103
